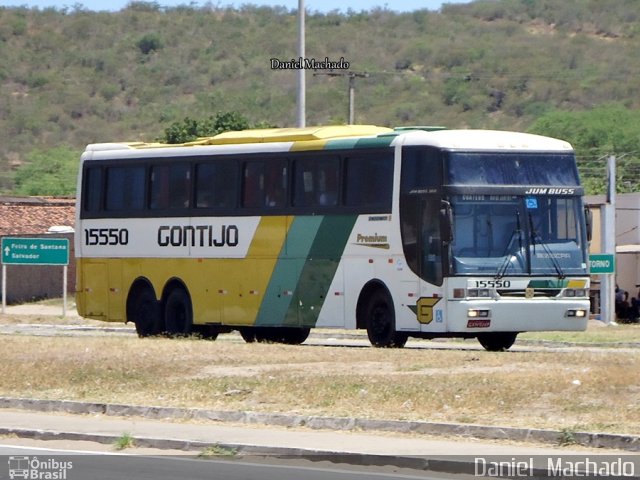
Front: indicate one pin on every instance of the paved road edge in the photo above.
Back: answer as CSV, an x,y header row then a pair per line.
x,y
482,432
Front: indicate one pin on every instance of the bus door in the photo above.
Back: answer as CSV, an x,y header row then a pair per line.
x,y
424,250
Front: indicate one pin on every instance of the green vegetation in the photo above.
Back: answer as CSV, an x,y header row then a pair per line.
x,y
70,77
124,441
596,134
48,172
218,451
190,129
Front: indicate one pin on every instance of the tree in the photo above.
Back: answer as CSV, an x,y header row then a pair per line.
x,y
190,129
595,134
48,172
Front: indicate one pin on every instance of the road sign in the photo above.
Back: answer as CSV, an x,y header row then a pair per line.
x,y
602,263
35,251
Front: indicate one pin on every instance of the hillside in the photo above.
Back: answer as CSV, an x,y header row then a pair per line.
x,y
71,77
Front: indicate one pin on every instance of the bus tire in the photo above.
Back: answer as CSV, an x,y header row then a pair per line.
x,y
178,313
248,334
286,335
497,341
381,322
206,332
144,312
294,335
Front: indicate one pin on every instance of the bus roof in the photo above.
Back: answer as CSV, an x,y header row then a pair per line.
x,y
478,140
349,136
263,135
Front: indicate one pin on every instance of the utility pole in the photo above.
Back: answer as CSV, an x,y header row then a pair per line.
x,y
301,94
608,228
352,88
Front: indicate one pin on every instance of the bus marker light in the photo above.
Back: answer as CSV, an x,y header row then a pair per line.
x,y
458,293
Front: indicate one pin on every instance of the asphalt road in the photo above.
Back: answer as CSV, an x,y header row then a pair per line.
x,y
86,465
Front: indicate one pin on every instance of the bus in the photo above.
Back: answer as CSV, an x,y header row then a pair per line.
x,y
407,232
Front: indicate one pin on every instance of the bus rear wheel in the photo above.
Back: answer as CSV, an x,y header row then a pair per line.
x,y
206,332
178,313
248,334
497,341
145,313
381,322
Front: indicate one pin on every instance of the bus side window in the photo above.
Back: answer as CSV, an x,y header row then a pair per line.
x,y
170,186
369,182
216,185
265,184
125,188
276,180
92,193
253,185
316,182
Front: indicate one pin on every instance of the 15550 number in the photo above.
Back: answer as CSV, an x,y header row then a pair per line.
x,y
106,236
492,283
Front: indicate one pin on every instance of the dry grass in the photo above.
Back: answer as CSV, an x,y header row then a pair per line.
x,y
595,389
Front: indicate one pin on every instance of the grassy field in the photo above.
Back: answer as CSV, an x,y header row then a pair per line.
x,y
595,389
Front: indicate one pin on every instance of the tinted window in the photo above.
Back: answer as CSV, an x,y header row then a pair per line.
x,y
513,169
316,182
92,189
265,184
216,185
125,188
421,170
369,181
170,186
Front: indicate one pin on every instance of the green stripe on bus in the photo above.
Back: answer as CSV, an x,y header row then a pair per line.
x,y
350,143
547,283
284,279
319,269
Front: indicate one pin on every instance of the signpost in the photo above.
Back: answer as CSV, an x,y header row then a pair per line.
x,y
602,263
35,251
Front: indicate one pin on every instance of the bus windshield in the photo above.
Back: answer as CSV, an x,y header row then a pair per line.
x,y
512,168
517,235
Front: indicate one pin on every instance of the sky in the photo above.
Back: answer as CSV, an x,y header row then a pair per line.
x,y
310,5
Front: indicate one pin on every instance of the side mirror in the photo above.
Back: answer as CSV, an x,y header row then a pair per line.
x,y
446,222
588,220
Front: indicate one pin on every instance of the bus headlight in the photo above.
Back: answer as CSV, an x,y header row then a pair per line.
x,y
579,313
476,313
575,292
479,293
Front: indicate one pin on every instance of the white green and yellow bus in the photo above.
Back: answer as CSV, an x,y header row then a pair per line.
x,y
406,232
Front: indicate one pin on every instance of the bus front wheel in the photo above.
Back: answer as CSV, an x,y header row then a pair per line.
x,y
381,322
178,313
497,341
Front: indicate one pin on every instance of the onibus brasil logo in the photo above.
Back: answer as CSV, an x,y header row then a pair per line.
x,y
32,468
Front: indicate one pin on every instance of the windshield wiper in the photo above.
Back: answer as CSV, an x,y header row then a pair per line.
x,y
534,236
507,257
